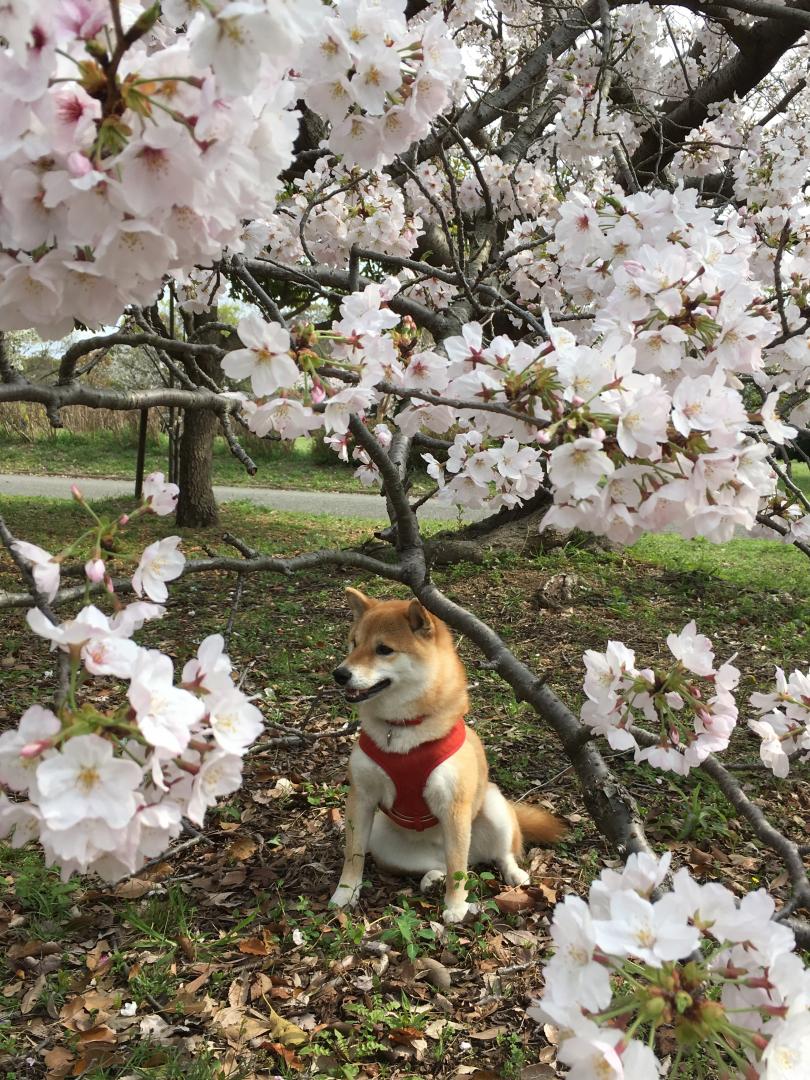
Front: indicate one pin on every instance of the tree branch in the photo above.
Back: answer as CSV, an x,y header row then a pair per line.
x,y
106,341
609,803
96,397
774,36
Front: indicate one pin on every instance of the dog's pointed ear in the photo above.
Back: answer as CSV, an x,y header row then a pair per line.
x,y
359,602
419,619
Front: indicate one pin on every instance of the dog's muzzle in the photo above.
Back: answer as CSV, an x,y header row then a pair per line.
x,y
342,676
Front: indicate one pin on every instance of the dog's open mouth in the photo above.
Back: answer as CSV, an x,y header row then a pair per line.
x,y
363,695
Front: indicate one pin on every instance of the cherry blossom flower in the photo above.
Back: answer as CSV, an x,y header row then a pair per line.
x,y
777,429
110,655
235,722
694,650
164,713
653,933
43,566
606,1054
288,416
37,727
159,563
573,976
788,1051
132,617
211,667
84,780
578,466
220,773
161,497
89,623
266,358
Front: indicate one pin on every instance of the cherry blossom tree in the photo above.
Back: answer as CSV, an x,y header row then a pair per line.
x,y
559,254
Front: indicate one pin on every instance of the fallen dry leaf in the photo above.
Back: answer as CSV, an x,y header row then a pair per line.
x,y
32,995
241,849
58,1061
239,1025
488,1033
513,901
133,888
33,948
253,946
98,1034
288,1056
437,973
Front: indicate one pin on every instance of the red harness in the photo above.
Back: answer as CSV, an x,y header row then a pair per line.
x,y
410,773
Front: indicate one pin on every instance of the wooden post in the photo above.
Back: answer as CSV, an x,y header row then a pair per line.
x,y
172,470
141,453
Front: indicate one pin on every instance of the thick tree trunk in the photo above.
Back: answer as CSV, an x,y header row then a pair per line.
x,y
196,505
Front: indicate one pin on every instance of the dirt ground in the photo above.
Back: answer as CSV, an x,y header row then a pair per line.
x,y
224,959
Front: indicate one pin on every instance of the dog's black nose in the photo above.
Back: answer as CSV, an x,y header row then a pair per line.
x,y
341,675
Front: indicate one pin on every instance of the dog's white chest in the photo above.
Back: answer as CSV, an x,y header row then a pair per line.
x,y
371,779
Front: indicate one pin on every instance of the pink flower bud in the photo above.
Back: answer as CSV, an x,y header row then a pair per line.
x,y
78,164
94,568
124,519
318,394
108,584
34,749
543,438
77,495
576,401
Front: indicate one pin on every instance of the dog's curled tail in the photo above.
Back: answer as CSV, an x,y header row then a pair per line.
x,y
537,825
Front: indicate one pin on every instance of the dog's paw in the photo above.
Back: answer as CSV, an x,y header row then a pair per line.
x,y
345,895
456,912
430,880
516,876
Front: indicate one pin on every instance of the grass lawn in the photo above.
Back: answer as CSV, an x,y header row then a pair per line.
x,y
214,935
113,456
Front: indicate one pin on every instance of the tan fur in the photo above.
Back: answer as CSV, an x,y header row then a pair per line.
x,y
427,679
536,825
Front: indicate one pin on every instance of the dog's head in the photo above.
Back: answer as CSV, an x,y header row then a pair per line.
x,y
394,649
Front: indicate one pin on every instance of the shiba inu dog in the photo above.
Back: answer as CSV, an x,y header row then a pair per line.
x,y
419,797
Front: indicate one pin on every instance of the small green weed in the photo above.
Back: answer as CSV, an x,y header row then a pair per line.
x,y
325,794
514,1058
42,896
152,1062
163,919
372,1023
408,931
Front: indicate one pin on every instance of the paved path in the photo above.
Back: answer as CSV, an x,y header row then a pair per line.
x,y
340,504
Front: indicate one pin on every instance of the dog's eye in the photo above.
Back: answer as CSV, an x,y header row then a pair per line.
x,y
383,650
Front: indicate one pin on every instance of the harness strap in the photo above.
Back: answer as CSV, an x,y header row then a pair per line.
x,y
410,772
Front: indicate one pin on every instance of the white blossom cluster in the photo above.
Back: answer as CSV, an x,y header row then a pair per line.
x,y
641,431
711,970
378,81
690,706
99,205
783,723
339,208
104,791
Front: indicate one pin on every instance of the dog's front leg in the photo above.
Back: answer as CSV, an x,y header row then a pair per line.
x,y
359,816
456,829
